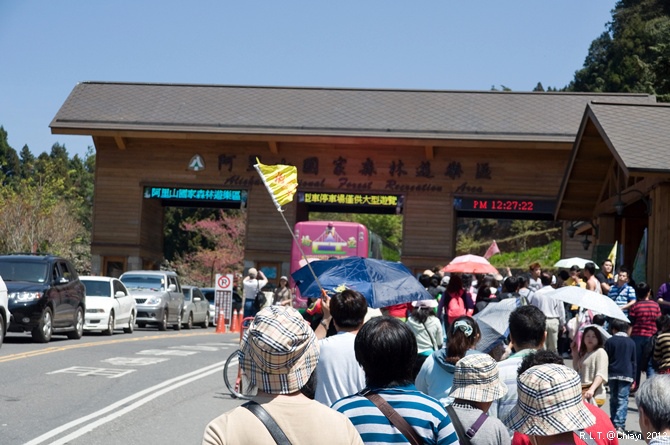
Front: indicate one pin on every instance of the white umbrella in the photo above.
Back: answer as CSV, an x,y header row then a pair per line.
x,y
567,263
493,322
601,304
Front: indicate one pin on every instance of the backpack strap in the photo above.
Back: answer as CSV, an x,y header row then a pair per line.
x,y
274,429
463,438
396,419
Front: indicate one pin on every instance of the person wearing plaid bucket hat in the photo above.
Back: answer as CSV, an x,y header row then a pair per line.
x,y
477,384
278,355
549,407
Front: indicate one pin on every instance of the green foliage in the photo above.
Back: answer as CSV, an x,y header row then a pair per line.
x,y
546,255
633,54
46,202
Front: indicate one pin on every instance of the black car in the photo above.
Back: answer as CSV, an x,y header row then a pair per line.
x,y
45,296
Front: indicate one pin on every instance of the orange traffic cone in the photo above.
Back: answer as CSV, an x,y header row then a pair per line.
x,y
235,323
221,324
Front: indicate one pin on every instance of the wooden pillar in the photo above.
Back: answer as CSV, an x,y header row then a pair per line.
x,y
428,232
658,253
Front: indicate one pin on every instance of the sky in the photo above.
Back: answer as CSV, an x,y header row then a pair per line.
x,y
47,47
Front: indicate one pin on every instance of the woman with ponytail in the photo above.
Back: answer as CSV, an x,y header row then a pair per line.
x,y
437,373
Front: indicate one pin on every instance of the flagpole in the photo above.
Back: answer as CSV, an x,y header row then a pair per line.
x,y
302,253
286,192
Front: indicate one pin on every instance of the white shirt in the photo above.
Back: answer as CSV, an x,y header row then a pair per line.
x,y
338,374
252,286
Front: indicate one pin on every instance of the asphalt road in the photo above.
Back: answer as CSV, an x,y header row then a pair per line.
x,y
145,388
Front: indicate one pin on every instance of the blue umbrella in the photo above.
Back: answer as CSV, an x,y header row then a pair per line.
x,y
383,283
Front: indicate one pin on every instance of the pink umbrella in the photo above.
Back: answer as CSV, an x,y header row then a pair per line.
x,y
470,264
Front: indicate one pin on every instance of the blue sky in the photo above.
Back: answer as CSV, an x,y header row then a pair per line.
x,y
47,47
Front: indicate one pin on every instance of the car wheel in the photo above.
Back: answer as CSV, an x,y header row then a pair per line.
x,y
177,326
162,326
131,324
205,324
141,325
110,325
42,332
78,325
189,321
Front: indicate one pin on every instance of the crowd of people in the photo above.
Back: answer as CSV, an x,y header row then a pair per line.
x,y
412,373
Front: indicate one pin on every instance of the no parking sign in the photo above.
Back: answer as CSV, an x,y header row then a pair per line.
x,y
223,299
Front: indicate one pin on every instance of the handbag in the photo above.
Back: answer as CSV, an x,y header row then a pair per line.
x,y
274,429
396,419
465,436
260,300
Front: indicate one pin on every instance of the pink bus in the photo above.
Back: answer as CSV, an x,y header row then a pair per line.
x,y
322,240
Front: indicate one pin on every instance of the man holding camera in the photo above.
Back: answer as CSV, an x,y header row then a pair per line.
x,y
252,285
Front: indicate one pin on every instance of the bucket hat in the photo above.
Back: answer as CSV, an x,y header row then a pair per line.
x,y
253,272
476,379
549,402
279,350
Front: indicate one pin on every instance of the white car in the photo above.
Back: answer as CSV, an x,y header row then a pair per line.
x,y
109,305
4,311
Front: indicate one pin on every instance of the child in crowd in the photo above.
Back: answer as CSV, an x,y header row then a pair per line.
x,y
621,371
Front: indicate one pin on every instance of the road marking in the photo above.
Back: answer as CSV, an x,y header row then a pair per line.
x,y
134,361
197,348
84,371
150,393
78,345
166,352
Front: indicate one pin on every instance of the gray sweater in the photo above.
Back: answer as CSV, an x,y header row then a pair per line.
x,y
492,431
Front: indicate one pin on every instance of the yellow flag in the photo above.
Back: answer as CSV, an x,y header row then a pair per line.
x,y
280,180
612,255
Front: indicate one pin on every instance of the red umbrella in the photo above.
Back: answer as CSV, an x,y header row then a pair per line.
x,y
470,264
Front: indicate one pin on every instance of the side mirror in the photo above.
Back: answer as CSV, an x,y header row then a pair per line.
x,y
63,280
172,288
197,299
119,294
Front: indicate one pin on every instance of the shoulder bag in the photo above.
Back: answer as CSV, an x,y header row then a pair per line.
x,y
260,299
274,429
465,436
432,340
396,419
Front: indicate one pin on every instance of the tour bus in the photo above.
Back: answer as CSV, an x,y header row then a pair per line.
x,y
323,240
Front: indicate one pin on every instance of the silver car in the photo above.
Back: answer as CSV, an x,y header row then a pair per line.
x,y
158,295
196,308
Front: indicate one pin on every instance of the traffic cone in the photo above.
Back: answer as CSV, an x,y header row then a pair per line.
x,y
235,324
221,324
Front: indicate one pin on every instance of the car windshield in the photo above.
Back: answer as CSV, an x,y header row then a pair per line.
x,y
143,282
23,271
209,294
96,288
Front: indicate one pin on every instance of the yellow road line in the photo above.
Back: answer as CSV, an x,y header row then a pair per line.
x,y
29,354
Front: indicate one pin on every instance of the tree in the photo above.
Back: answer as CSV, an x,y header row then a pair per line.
x,y
633,54
225,234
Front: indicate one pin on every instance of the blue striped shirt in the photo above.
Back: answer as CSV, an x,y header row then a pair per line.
x,y
425,414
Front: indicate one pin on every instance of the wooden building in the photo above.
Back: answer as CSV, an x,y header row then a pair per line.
x,y
432,155
618,182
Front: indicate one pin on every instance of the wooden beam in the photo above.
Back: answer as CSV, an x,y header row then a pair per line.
x,y
274,149
120,142
430,152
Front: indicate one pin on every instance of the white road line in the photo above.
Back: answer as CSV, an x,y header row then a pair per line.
x,y
166,386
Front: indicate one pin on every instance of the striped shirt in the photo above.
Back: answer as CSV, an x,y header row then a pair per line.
x,y
662,351
425,414
622,295
507,373
645,313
